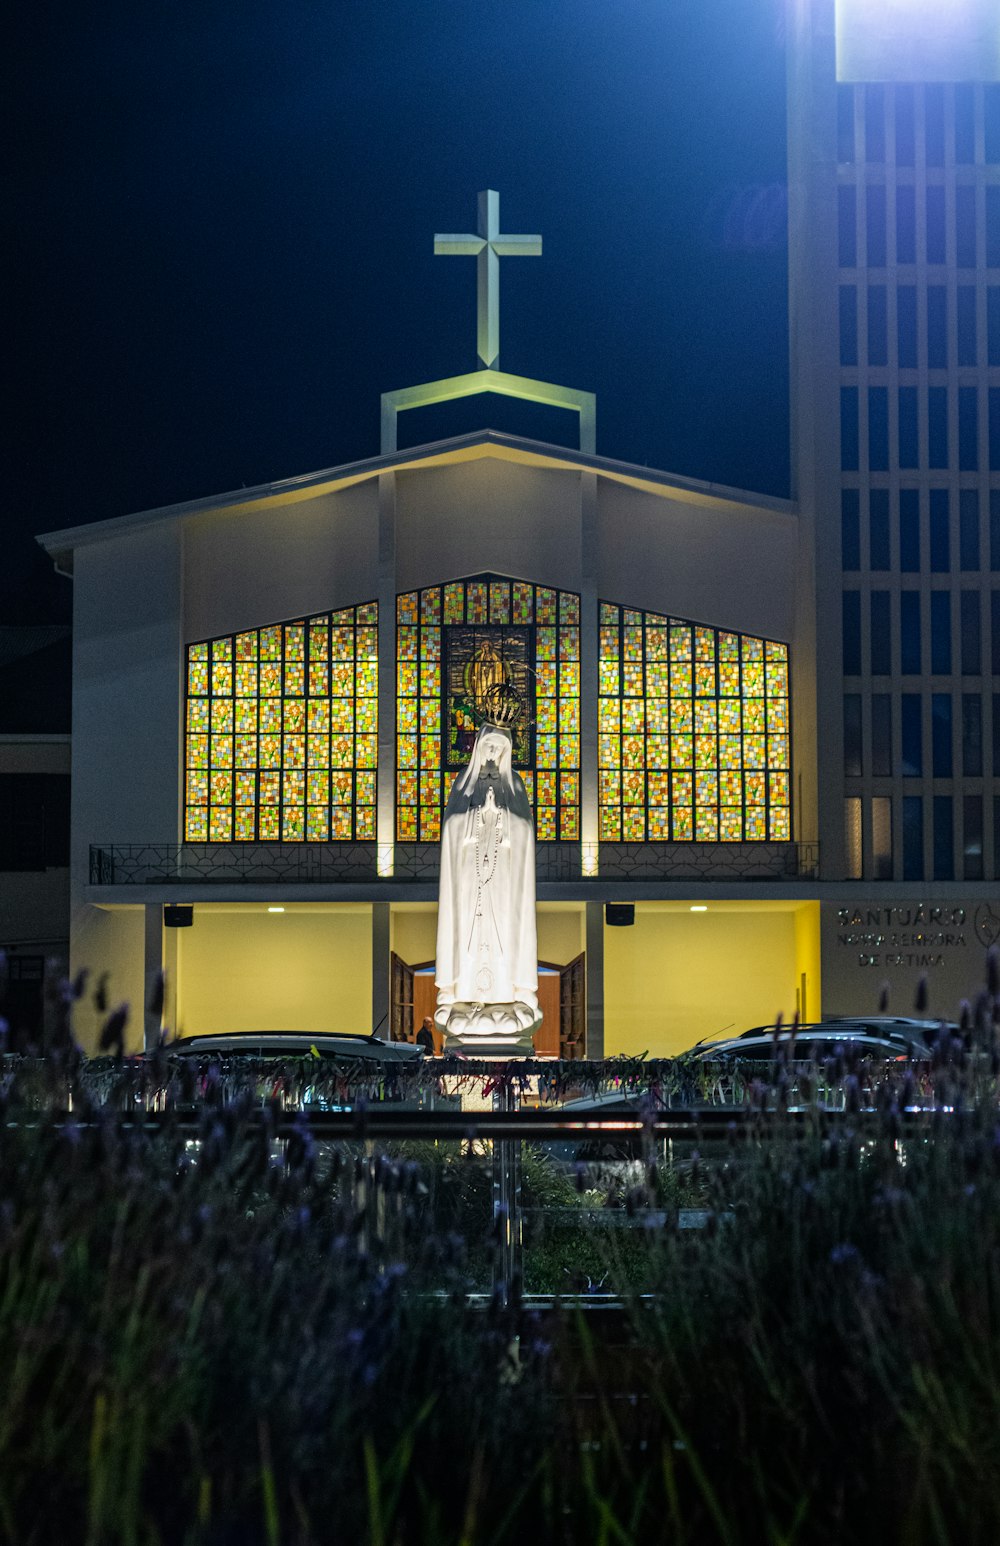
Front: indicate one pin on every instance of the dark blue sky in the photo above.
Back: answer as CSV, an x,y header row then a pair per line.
x,y
221,227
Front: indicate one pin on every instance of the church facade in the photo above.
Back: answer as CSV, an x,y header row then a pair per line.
x,y
739,810
273,693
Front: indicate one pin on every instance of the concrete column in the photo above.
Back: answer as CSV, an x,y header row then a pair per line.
x,y
595,979
152,966
386,775
172,969
588,671
380,968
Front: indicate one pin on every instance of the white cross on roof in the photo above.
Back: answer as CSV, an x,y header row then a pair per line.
x,y
488,247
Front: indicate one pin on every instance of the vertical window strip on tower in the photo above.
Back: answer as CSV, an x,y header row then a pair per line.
x,y
281,732
694,735
551,619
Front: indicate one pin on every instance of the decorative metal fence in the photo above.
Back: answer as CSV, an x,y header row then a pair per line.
x,y
151,864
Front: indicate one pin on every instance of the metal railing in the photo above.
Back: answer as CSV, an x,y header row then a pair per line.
x,y
709,861
152,864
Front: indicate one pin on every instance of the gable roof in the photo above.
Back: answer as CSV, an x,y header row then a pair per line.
x,y
481,443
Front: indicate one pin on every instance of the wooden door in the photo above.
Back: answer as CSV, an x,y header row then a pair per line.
x,y
573,1009
401,1006
546,1038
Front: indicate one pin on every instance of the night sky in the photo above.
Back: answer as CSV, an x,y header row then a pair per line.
x,y
221,224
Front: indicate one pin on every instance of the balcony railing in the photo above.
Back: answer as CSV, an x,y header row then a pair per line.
x,y
266,864
709,861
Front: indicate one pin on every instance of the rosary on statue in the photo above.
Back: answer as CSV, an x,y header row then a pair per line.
x,y
488,837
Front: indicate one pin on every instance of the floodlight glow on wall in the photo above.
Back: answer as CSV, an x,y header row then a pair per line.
x,y
918,40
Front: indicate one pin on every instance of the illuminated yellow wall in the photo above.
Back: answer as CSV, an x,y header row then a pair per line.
x,y
247,969
807,951
109,939
414,932
560,931
677,976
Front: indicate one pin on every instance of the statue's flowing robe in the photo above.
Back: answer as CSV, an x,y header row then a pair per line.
x,y
507,900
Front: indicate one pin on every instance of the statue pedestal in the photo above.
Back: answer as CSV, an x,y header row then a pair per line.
x,y
489,1030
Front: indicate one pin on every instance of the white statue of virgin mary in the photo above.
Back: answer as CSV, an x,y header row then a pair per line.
x,y
487,951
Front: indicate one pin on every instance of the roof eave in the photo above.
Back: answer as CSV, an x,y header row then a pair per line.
x,y
61,544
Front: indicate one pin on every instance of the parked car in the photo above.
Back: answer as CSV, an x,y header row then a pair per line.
x,y
304,1070
879,1036
296,1044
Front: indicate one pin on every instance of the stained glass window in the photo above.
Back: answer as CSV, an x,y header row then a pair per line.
x,y
281,732
451,639
694,738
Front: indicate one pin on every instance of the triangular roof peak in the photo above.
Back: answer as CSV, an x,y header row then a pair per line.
x,y
442,453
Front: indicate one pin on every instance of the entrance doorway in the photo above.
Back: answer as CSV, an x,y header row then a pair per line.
x,y
561,998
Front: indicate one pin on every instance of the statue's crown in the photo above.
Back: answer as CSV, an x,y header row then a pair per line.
x,y
502,704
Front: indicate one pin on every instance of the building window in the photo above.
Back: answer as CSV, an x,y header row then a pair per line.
x,y
282,730
881,735
878,429
34,821
906,327
965,226
968,529
851,631
694,740
909,530
905,136
878,345
993,225
913,837
971,643
912,735
941,753
934,125
453,643
968,430
878,528
937,327
852,837
852,735
909,633
972,735
965,122
875,216
993,325
939,531
940,632
995,529
848,325
937,426
991,119
968,352
909,442
845,124
849,429
881,643
874,123
995,641
935,224
906,227
944,847
850,529
972,836
882,837
847,224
